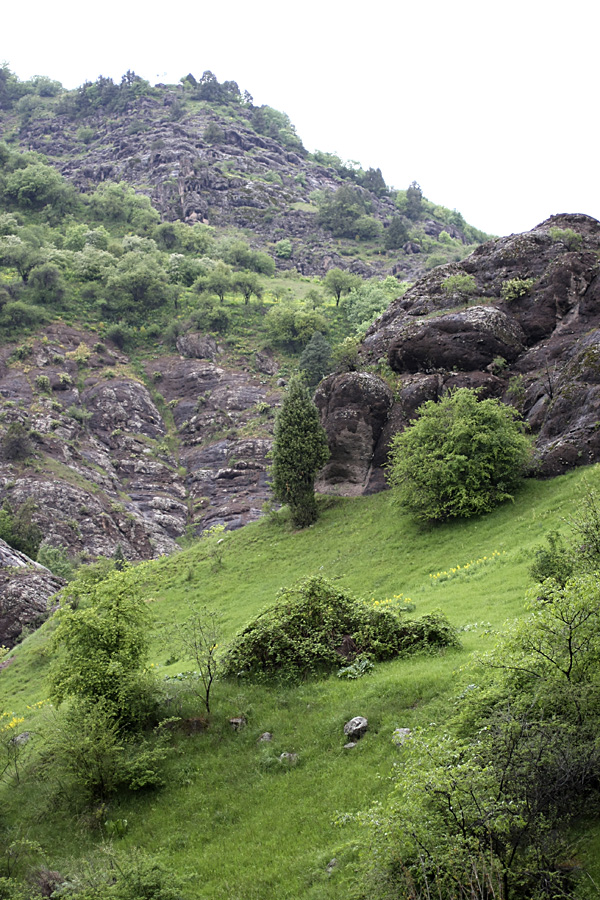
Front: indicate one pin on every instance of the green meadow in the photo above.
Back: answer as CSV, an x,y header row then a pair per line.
x,y
240,822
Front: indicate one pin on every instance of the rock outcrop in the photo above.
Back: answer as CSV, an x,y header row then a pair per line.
x,y
531,337
26,589
130,460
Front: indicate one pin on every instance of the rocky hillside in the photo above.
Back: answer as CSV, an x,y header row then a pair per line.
x,y
131,455
519,319
230,165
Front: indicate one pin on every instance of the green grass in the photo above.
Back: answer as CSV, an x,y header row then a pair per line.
x,y
241,823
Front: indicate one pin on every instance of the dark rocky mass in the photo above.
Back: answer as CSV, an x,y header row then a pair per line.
x,y
529,335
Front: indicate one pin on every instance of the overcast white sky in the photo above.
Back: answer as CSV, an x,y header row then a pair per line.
x,y
491,107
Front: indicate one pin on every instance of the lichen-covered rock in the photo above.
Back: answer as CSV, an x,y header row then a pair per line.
x,y
468,340
532,338
26,589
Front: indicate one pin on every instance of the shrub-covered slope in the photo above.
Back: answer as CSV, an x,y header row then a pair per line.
x,y
239,816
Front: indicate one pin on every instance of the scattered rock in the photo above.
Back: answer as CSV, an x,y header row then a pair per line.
x,y
237,722
289,759
400,736
350,745
266,736
356,727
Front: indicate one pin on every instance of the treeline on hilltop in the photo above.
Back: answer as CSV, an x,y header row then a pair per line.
x,y
106,259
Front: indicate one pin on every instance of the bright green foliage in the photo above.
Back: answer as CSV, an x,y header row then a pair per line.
x,y
314,627
568,236
86,751
283,248
487,799
119,874
118,202
56,559
101,647
138,283
338,282
299,451
293,324
516,288
558,559
36,186
460,284
364,303
247,283
461,457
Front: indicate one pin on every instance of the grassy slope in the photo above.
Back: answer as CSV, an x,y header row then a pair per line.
x,y
241,823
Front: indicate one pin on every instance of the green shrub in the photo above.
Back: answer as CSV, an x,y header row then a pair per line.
x,y
460,284
570,238
283,249
79,413
100,648
16,443
460,457
120,334
86,753
55,559
314,626
18,529
553,560
42,383
516,288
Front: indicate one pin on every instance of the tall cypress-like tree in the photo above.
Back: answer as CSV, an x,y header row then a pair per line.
x,y
299,451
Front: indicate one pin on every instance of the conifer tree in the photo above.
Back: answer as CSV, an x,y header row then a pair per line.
x,y
299,451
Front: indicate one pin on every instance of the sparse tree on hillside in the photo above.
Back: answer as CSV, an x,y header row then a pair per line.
x,y
299,451
414,200
247,283
338,282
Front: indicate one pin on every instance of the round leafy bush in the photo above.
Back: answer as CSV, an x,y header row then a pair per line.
x,y
461,457
314,626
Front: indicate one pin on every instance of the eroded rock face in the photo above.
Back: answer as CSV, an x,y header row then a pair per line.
x,y
26,589
107,471
467,340
539,351
354,409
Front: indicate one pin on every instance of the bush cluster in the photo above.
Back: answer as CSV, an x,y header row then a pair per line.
x,y
314,626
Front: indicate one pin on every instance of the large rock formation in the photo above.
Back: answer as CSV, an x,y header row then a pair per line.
x,y
26,589
121,460
528,332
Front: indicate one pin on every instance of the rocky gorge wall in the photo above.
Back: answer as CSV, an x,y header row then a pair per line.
x,y
527,332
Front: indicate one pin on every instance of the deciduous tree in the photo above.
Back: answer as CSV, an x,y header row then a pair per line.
x,y
460,457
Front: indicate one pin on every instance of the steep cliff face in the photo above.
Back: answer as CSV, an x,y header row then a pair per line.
x,y
132,459
526,331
